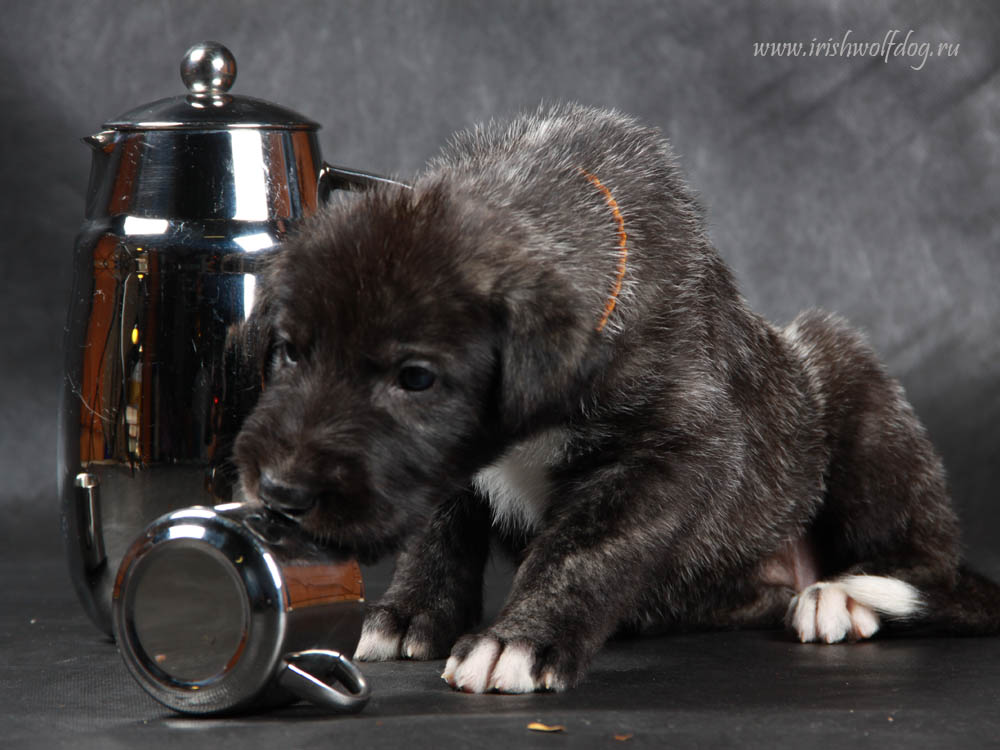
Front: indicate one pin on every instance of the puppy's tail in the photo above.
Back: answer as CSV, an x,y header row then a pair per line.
x,y
971,607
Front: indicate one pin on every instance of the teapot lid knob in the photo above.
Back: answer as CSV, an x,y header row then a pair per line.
x,y
208,69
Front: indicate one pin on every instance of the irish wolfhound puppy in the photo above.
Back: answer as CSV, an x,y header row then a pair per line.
x,y
539,339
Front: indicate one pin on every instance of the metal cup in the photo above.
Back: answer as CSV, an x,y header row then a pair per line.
x,y
227,609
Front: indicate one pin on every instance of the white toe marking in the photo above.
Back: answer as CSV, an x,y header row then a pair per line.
x,y
803,608
833,621
551,682
472,674
864,622
448,675
849,607
376,645
512,673
416,648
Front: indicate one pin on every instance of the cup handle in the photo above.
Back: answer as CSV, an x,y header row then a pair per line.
x,y
313,675
339,178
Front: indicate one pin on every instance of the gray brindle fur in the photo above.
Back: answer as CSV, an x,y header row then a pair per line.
x,y
482,353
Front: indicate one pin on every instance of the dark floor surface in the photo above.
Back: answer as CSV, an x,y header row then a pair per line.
x,y
63,685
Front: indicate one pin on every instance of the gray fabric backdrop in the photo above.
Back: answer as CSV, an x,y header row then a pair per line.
x,y
858,184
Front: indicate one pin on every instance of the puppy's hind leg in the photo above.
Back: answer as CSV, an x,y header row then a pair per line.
x,y
436,590
846,608
854,607
886,536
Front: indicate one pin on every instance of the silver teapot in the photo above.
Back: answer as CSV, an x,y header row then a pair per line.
x,y
187,195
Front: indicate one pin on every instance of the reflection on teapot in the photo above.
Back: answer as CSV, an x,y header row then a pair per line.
x,y
187,196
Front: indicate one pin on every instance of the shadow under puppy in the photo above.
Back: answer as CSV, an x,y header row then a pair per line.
x,y
539,338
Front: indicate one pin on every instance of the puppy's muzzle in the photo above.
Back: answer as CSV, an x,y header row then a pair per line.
x,y
288,499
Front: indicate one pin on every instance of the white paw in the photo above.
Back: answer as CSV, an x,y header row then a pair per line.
x,y
382,642
824,612
849,607
377,644
491,666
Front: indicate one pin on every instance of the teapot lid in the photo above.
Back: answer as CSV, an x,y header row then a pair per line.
x,y
208,70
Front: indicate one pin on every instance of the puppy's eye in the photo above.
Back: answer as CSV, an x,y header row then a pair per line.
x,y
287,354
416,378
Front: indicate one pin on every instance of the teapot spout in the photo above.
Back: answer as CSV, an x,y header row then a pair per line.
x,y
102,147
103,141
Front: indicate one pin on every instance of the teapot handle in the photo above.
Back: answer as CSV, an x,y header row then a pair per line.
x,y
338,178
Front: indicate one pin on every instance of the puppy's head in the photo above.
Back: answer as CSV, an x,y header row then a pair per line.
x,y
401,347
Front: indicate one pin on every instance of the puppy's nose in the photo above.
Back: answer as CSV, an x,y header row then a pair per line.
x,y
283,497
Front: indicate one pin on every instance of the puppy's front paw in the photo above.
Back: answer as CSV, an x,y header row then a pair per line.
x,y
485,663
824,612
388,634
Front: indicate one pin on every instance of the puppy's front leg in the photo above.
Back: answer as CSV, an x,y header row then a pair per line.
x,y
437,589
581,575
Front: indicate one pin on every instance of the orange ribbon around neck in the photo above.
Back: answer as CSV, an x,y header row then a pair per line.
x,y
609,306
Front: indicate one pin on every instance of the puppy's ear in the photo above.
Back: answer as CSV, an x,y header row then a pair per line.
x,y
546,355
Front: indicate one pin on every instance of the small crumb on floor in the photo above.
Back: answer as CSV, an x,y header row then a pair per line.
x,y
537,726
623,737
